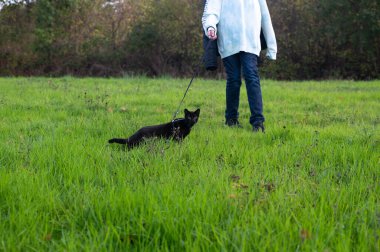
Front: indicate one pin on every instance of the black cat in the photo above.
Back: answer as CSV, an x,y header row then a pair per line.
x,y
178,129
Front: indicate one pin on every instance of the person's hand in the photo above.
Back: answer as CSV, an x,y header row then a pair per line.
x,y
211,33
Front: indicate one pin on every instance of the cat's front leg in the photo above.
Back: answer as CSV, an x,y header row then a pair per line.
x,y
177,134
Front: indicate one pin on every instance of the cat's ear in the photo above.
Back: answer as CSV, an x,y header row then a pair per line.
x,y
198,111
186,111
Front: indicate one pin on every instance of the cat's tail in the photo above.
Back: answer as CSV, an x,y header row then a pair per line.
x,y
118,140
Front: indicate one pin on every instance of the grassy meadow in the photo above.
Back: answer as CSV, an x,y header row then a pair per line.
x,y
310,183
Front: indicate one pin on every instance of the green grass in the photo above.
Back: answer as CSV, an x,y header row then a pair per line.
x,y
311,183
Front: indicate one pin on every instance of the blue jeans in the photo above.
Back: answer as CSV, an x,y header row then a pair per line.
x,y
234,65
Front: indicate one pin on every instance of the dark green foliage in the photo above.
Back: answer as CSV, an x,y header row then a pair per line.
x,y
316,39
167,39
15,49
326,39
355,37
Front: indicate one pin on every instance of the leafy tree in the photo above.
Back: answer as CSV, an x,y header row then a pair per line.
x,y
16,22
52,25
352,30
167,37
316,39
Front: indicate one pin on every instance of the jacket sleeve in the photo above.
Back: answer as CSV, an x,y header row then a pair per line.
x,y
267,27
211,14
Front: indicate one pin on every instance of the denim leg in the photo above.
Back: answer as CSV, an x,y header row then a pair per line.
x,y
232,66
252,83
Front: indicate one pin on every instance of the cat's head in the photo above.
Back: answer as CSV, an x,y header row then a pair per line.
x,y
192,117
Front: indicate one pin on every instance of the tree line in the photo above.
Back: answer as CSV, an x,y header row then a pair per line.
x,y
316,39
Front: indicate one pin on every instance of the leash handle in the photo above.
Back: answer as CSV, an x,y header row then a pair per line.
x,y
191,81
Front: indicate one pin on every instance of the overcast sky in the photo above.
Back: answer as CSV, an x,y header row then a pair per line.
x,y
4,2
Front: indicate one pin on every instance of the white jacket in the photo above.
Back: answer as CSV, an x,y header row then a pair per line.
x,y
238,24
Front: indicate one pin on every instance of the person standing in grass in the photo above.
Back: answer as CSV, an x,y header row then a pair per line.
x,y
236,25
